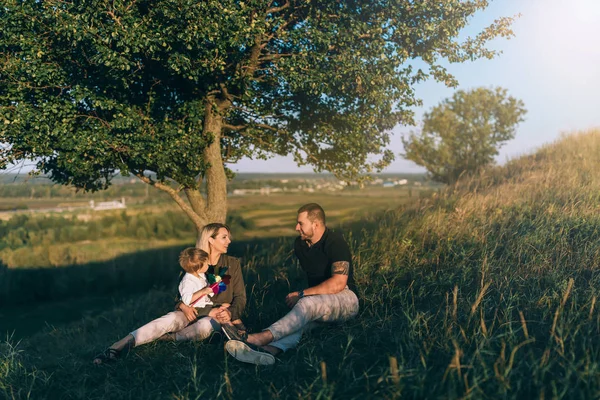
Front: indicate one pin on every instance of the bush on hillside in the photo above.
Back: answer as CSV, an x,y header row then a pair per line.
x,y
463,134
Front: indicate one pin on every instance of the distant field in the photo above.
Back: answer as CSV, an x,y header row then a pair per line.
x,y
276,214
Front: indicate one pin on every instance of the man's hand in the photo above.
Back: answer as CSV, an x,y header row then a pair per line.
x,y
190,312
291,299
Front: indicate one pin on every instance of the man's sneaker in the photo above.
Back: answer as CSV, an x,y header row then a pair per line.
x,y
245,353
233,333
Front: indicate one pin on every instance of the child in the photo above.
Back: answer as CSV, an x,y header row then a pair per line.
x,y
193,288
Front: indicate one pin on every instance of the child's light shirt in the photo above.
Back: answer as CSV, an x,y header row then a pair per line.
x,y
189,285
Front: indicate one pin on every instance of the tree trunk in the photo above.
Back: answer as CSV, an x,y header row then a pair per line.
x,y
216,180
214,208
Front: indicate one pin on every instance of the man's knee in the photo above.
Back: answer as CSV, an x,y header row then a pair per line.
x,y
308,306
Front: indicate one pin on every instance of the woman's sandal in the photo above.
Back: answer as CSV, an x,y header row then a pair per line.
x,y
241,327
108,356
233,333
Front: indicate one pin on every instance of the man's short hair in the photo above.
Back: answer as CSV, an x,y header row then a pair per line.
x,y
314,212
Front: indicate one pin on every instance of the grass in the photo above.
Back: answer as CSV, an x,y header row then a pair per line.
x,y
486,290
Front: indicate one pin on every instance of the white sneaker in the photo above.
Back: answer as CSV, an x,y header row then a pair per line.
x,y
244,353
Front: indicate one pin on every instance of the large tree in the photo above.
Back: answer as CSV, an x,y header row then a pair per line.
x,y
464,133
172,90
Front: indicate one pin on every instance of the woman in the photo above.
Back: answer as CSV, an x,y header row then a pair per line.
x,y
214,239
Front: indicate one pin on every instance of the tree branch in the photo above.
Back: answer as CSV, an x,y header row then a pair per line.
x,y
228,97
195,217
279,29
252,115
196,201
273,56
277,9
268,127
235,127
115,18
258,139
103,122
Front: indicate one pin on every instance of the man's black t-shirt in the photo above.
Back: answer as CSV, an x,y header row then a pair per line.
x,y
316,260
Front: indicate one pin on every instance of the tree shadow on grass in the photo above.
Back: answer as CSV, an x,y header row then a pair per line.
x,y
134,272
32,298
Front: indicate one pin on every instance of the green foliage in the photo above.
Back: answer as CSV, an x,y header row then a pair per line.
x,y
90,88
464,133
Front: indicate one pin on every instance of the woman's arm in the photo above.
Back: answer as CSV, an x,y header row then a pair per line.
x,y
191,313
238,290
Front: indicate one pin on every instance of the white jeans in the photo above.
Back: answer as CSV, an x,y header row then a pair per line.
x,y
175,321
310,310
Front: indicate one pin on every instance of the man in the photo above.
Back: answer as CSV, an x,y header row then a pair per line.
x,y
325,257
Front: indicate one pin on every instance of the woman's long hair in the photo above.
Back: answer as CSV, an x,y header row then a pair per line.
x,y
209,231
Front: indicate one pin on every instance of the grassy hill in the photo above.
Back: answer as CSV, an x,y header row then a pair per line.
x,y
486,290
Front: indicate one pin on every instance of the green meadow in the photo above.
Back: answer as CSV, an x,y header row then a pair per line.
x,y
486,289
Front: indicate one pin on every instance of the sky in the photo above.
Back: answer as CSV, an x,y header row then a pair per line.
x,y
552,64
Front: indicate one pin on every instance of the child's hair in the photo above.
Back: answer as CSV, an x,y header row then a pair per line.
x,y
192,259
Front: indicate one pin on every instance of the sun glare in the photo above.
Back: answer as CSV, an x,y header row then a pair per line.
x,y
565,36
574,21
585,11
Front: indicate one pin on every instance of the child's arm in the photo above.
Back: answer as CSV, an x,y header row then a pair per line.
x,y
200,293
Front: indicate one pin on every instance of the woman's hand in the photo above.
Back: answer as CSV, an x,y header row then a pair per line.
x,y
190,312
222,315
213,313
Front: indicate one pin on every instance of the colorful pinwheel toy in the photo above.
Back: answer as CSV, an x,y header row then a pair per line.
x,y
217,282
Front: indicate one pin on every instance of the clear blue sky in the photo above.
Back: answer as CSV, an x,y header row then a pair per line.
x,y
552,64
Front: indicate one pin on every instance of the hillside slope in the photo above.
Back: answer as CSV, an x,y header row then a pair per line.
x,y
486,290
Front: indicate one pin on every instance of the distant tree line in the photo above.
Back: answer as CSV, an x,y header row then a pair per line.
x,y
25,230
46,191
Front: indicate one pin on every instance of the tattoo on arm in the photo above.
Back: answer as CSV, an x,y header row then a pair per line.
x,y
340,268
